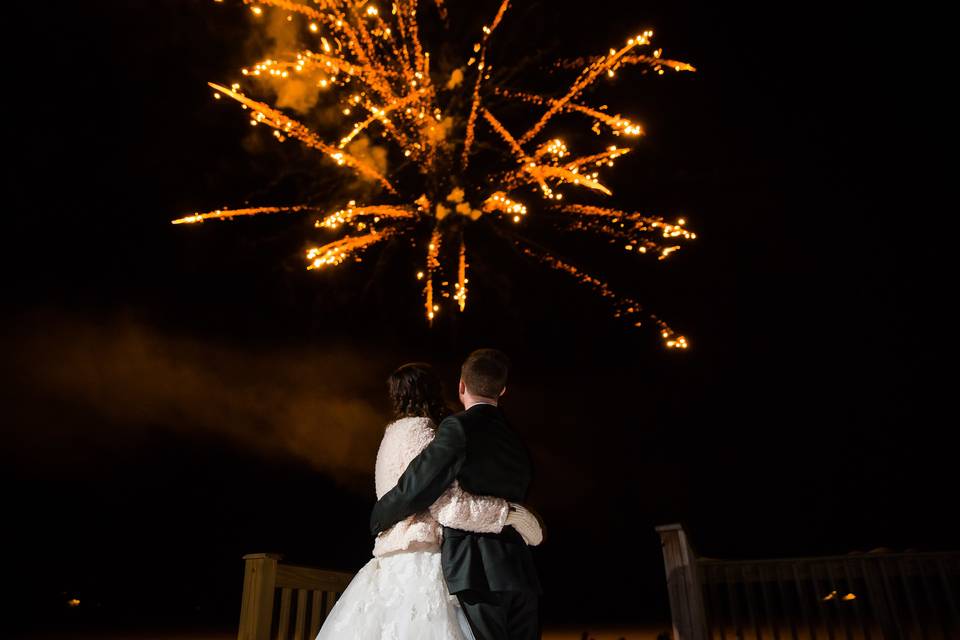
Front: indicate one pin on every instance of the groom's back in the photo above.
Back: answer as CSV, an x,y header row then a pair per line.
x,y
497,462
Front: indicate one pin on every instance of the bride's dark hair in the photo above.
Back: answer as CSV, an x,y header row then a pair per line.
x,y
415,391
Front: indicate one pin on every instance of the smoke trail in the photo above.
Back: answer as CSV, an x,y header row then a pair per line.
x,y
122,376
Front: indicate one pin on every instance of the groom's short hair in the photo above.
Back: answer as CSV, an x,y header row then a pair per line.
x,y
484,372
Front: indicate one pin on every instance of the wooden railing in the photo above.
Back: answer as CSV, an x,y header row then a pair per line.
x,y
279,599
864,595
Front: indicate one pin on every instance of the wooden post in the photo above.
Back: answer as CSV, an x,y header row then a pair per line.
x,y
882,607
683,584
256,608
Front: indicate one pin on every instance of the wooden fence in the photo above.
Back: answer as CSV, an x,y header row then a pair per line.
x,y
279,599
866,595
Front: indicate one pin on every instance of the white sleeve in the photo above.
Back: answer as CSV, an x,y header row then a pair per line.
x,y
459,509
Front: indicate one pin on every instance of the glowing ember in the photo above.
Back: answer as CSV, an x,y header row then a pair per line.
x,y
444,158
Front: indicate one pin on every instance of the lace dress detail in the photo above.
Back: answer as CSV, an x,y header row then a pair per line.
x,y
402,596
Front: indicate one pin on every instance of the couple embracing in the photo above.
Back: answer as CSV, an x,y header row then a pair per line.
x,y
451,557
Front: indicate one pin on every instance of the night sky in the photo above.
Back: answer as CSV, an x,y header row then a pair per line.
x,y
178,396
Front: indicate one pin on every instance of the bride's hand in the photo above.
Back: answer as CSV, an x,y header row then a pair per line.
x,y
526,523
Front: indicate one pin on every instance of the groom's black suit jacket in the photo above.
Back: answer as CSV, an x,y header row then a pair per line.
x,y
478,448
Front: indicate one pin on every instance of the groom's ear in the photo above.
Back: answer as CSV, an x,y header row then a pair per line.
x,y
503,391
463,387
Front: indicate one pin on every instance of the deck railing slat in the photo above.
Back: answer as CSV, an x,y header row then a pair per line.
x,y
818,599
908,591
316,612
751,605
878,598
767,605
808,620
730,586
300,627
858,595
891,601
948,589
709,605
330,599
284,624
944,623
714,573
785,603
839,607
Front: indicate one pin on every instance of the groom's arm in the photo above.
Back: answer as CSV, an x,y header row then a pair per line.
x,y
426,478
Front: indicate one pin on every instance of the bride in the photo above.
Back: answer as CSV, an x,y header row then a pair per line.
x,y
400,594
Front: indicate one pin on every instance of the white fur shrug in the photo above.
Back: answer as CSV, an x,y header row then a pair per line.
x,y
403,440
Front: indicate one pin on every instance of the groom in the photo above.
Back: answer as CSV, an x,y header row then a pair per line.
x,y
492,574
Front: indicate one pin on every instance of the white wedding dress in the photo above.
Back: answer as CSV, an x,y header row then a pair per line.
x,y
401,594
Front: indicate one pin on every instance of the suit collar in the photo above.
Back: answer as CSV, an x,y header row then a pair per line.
x,y
483,406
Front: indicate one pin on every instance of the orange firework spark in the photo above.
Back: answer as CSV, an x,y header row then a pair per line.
x,y
353,213
625,307
337,251
409,132
461,286
226,214
433,263
617,124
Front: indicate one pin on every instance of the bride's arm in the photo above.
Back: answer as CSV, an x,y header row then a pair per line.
x,y
459,509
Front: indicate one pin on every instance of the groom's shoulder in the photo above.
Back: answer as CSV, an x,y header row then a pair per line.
x,y
454,420
476,416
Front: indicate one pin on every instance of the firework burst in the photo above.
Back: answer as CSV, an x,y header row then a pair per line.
x,y
452,159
